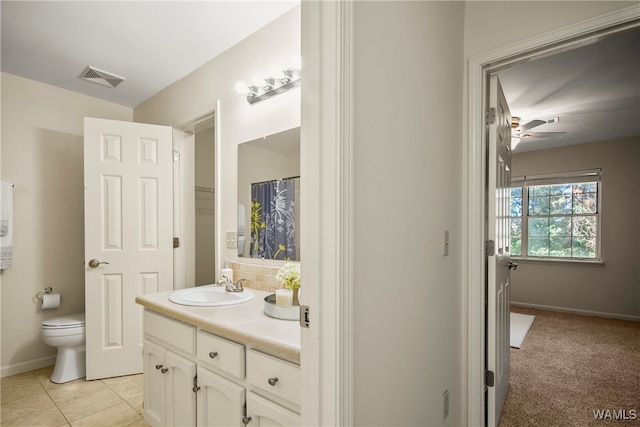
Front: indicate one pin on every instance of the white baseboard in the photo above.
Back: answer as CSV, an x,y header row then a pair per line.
x,y
27,366
576,311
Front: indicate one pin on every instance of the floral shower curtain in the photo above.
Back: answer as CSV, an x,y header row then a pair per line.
x,y
272,220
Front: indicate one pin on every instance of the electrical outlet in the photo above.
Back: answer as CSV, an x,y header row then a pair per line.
x,y
445,398
232,240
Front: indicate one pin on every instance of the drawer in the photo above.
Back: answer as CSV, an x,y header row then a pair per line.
x,y
220,353
171,331
274,375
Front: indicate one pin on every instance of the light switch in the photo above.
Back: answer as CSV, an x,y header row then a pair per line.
x,y
445,242
232,240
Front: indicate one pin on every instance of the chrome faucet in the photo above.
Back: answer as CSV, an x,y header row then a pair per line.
x,y
229,286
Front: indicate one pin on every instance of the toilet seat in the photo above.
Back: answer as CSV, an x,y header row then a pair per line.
x,y
65,322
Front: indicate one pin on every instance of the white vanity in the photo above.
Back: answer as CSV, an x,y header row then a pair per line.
x,y
219,366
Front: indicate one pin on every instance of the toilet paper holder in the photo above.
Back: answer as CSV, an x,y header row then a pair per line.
x,y
46,290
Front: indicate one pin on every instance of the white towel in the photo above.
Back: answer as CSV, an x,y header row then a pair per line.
x,y
6,225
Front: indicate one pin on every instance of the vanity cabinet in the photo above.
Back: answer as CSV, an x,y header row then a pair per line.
x,y
168,387
195,378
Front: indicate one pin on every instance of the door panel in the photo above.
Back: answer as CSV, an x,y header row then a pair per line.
x,y
129,229
498,293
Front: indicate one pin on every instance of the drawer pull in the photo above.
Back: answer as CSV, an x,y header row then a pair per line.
x,y
273,381
158,367
213,354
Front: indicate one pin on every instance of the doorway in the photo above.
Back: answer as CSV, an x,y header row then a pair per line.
x,y
480,67
194,189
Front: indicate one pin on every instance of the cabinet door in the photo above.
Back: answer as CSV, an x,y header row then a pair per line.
x,y
154,384
181,398
265,413
220,402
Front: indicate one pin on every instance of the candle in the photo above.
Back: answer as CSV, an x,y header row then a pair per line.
x,y
284,297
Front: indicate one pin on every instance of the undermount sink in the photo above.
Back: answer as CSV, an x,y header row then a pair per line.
x,y
210,296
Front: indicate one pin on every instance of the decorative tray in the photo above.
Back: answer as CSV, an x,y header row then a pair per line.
x,y
284,312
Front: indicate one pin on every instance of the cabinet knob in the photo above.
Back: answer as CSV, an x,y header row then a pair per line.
x,y
158,366
246,420
213,354
195,389
164,370
273,381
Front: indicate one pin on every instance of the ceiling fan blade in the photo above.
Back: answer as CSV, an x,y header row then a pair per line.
x,y
528,135
532,124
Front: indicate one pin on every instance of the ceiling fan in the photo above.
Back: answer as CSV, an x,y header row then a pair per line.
x,y
520,132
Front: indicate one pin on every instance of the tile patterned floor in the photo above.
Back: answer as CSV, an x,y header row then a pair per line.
x,y
32,400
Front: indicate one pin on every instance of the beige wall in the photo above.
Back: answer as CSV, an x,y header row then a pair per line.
x,y
42,154
407,180
271,47
493,24
614,287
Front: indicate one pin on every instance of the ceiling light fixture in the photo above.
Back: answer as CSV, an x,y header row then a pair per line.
x,y
262,89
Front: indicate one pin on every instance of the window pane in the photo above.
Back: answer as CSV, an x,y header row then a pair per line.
x,y
540,190
516,202
560,205
585,203
584,247
560,226
584,226
538,246
560,246
539,205
538,227
516,236
585,187
559,189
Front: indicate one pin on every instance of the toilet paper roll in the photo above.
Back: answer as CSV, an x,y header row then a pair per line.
x,y
51,300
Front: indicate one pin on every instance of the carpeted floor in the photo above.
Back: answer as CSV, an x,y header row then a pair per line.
x,y
570,366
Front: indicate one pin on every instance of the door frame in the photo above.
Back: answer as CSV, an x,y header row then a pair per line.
x,y
474,191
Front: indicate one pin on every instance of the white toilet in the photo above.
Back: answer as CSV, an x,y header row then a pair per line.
x,y
68,334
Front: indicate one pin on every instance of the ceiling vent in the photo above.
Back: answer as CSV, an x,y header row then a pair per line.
x,y
101,77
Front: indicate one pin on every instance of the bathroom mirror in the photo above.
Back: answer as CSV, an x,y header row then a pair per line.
x,y
269,197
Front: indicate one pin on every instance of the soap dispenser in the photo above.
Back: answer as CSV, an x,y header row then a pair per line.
x,y
227,272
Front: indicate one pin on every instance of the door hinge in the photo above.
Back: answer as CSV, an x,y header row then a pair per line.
x,y
304,316
490,248
196,387
489,378
490,116
176,242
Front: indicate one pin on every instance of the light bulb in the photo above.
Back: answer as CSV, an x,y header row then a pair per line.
x,y
242,88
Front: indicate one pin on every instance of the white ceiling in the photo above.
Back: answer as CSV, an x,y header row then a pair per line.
x,y
594,90
150,43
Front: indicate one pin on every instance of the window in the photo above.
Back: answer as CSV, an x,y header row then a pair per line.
x,y
556,216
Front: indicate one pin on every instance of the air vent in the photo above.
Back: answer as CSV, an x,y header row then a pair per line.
x,y
92,74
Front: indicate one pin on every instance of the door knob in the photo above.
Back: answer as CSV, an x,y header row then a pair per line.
x,y
94,263
513,265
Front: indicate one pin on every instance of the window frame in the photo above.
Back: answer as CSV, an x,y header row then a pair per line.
x,y
563,178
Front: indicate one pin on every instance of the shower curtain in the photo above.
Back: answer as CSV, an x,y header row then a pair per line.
x,y
272,220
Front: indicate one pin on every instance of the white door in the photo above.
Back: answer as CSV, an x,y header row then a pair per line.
x,y
128,224
498,254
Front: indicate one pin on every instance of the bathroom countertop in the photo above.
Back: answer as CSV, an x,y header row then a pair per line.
x,y
245,323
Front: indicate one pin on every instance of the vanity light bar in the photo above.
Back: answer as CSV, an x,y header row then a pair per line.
x,y
274,86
